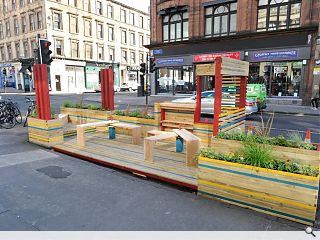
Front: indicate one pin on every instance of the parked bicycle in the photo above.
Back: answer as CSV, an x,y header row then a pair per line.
x,y
30,111
10,114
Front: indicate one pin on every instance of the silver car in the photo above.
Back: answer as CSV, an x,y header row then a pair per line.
x,y
207,102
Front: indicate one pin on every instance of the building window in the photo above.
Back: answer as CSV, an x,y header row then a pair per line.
x,y
110,34
123,15
220,20
59,47
132,58
87,5
99,8
14,4
74,49
32,23
16,26
100,53
100,30
88,51
132,39
2,53
33,46
39,19
26,49
141,39
17,47
5,5
124,57
9,50
278,14
73,24
141,25
132,18
111,54
87,28
110,11
57,24
1,31
21,3
24,24
175,27
73,3
8,33
123,37
141,57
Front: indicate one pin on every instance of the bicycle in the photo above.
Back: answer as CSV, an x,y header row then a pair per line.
x,y
8,114
15,107
30,111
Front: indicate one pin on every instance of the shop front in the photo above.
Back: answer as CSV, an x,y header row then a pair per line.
x,y
281,70
174,75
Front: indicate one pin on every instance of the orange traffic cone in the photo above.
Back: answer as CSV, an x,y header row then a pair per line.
x,y
250,128
318,147
308,136
206,120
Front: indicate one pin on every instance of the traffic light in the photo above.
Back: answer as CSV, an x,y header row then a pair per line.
x,y
143,68
4,72
45,52
152,65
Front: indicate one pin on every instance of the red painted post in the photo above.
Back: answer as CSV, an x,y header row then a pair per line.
x,y
42,91
217,96
197,112
110,88
162,118
243,92
104,88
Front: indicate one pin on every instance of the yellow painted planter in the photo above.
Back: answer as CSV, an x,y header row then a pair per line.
x,y
47,133
287,195
80,116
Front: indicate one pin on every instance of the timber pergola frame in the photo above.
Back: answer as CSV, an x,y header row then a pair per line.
x,y
228,73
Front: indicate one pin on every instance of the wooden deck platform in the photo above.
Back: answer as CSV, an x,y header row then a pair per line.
x,y
168,165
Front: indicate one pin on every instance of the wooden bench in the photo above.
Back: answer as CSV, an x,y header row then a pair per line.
x,y
155,132
135,130
81,130
149,143
192,145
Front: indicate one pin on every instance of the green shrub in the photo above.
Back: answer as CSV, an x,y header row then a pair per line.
x,y
68,104
119,113
135,113
256,154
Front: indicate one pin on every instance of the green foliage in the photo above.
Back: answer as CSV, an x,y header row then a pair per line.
x,y
294,141
264,160
256,154
135,113
68,104
119,113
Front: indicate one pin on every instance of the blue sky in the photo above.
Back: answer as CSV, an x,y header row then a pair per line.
x,y
138,4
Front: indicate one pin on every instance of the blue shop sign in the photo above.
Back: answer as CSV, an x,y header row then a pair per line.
x,y
157,51
170,62
275,55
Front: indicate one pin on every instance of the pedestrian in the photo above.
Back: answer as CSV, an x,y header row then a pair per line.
x,y
315,97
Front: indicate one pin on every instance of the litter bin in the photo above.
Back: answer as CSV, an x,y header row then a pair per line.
x,y
140,91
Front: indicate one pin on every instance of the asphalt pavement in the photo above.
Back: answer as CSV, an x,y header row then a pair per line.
x,y
43,190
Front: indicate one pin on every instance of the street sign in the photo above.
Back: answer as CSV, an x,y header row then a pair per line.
x,y
133,68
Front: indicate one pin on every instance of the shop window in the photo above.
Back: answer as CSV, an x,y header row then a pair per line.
x,y
278,14
175,27
221,20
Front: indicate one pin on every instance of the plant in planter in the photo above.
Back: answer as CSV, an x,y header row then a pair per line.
x,y
254,177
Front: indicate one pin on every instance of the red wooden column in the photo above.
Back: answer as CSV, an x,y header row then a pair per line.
x,y
110,82
107,92
243,91
217,96
42,91
197,112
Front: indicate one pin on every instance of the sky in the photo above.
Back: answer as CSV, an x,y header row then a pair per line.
x,y
138,4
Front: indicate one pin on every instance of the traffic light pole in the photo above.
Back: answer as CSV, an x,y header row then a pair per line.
x,y
147,78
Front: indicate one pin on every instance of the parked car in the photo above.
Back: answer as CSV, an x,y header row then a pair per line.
x,y
207,102
98,88
129,86
258,93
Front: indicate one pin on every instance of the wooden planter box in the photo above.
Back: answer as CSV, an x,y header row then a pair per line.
x,y
282,194
80,116
303,156
46,133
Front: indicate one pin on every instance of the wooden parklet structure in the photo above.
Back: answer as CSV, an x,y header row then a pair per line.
x,y
230,76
